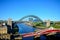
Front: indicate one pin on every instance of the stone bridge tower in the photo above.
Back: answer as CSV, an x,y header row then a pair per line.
x,y
47,23
9,22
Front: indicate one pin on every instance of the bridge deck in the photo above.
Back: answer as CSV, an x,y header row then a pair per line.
x,y
45,31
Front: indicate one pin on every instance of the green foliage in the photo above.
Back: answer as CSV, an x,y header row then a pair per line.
x,y
56,25
57,22
38,24
15,29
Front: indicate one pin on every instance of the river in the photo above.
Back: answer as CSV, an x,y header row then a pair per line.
x,y
26,29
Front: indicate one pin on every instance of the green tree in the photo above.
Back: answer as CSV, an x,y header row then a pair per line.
x,y
15,29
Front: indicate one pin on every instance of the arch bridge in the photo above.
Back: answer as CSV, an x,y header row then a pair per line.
x,y
30,16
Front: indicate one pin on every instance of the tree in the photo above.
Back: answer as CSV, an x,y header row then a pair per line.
x,y
15,29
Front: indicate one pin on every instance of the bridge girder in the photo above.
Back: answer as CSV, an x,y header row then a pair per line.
x,y
31,16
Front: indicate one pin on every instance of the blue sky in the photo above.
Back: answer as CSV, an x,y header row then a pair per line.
x,y
16,9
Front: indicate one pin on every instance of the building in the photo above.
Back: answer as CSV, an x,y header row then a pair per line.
x,y
5,36
3,29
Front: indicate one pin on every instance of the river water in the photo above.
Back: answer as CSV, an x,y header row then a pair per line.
x,y
26,29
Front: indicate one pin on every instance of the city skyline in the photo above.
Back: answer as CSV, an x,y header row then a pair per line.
x,y
46,9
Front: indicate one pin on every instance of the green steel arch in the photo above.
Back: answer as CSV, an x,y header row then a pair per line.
x,y
31,16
